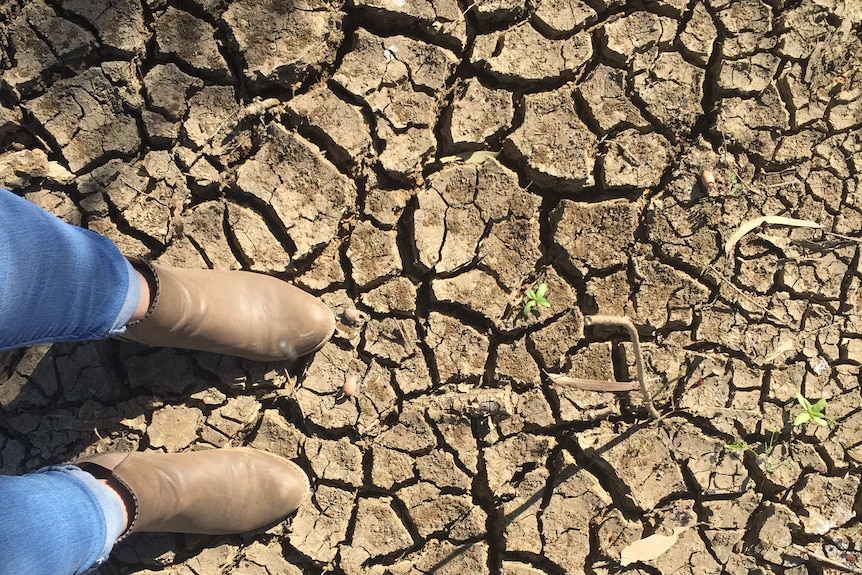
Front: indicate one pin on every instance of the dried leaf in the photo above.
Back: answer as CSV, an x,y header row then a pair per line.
x,y
470,157
593,384
756,222
650,548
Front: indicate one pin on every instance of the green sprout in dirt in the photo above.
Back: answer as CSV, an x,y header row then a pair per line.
x,y
735,184
812,412
761,457
536,298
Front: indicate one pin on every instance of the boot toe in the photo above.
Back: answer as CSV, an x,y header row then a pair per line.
x,y
310,330
290,488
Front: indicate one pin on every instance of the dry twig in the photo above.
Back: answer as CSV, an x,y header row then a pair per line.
x,y
619,321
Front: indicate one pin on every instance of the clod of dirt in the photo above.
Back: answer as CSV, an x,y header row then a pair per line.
x,y
339,461
826,502
391,339
396,296
634,159
276,435
455,210
552,342
413,374
459,350
594,237
577,497
439,468
643,463
261,251
411,434
555,147
337,125
672,90
515,367
443,20
749,24
17,169
181,35
390,467
168,90
522,54
522,512
750,75
504,460
444,558
284,43
605,92
42,41
174,428
479,113
665,297
211,111
698,35
772,532
727,520
530,411
435,513
269,558
119,24
558,18
476,290
86,142
751,122
320,525
393,76
308,194
373,254
634,39
379,531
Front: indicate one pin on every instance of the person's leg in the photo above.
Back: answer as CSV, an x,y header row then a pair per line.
x,y
57,521
64,520
59,282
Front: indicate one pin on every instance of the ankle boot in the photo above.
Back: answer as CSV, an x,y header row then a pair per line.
x,y
239,313
212,492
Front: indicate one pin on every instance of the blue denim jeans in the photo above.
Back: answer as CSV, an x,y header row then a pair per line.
x,y
58,282
57,521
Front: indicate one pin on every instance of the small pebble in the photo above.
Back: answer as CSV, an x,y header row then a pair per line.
x,y
350,384
353,316
707,178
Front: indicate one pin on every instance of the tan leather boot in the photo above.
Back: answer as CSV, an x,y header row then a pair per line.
x,y
239,313
212,492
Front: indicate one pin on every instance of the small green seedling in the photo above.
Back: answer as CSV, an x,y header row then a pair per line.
x,y
812,412
535,298
735,184
762,457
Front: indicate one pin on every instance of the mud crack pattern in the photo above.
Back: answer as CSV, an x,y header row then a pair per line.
x,y
307,140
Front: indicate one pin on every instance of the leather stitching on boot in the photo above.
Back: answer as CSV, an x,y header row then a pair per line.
x,y
147,264
100,472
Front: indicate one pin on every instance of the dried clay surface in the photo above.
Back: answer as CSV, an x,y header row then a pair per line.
x,y
420,165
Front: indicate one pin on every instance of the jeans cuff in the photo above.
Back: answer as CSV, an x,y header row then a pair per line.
x,y
112,507
133,296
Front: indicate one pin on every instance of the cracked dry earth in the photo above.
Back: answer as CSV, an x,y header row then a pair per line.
x,y
313,140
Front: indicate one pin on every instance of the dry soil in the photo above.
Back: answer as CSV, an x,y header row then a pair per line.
x,y
334,145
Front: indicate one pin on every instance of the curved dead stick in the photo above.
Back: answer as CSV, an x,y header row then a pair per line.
x,y
619,321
